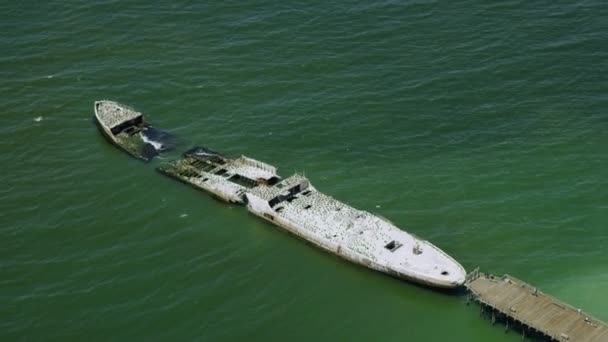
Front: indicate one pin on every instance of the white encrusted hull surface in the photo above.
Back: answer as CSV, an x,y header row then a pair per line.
x,y
356,235
111,114
353,257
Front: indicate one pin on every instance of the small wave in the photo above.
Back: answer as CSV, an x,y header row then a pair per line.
x,y
157,144
201,151
159,139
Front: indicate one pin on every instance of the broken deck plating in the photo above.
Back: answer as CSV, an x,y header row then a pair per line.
x,y
226,178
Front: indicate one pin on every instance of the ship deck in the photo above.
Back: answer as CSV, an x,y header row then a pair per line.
x,y
224,177
366,234
112,114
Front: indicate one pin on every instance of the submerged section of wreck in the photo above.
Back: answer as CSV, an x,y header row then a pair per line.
x,y
126,128
296,206
226,178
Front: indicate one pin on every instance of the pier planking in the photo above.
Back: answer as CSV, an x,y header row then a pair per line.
x,y
534,309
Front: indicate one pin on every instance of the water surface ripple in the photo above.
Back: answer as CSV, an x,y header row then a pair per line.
x,y
480,126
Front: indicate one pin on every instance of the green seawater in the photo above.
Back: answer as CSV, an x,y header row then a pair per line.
x,y
481,126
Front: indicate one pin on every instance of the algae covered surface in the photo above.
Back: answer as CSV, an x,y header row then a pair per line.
x,y
133,143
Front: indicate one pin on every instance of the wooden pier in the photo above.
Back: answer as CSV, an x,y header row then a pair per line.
x,y
537,313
